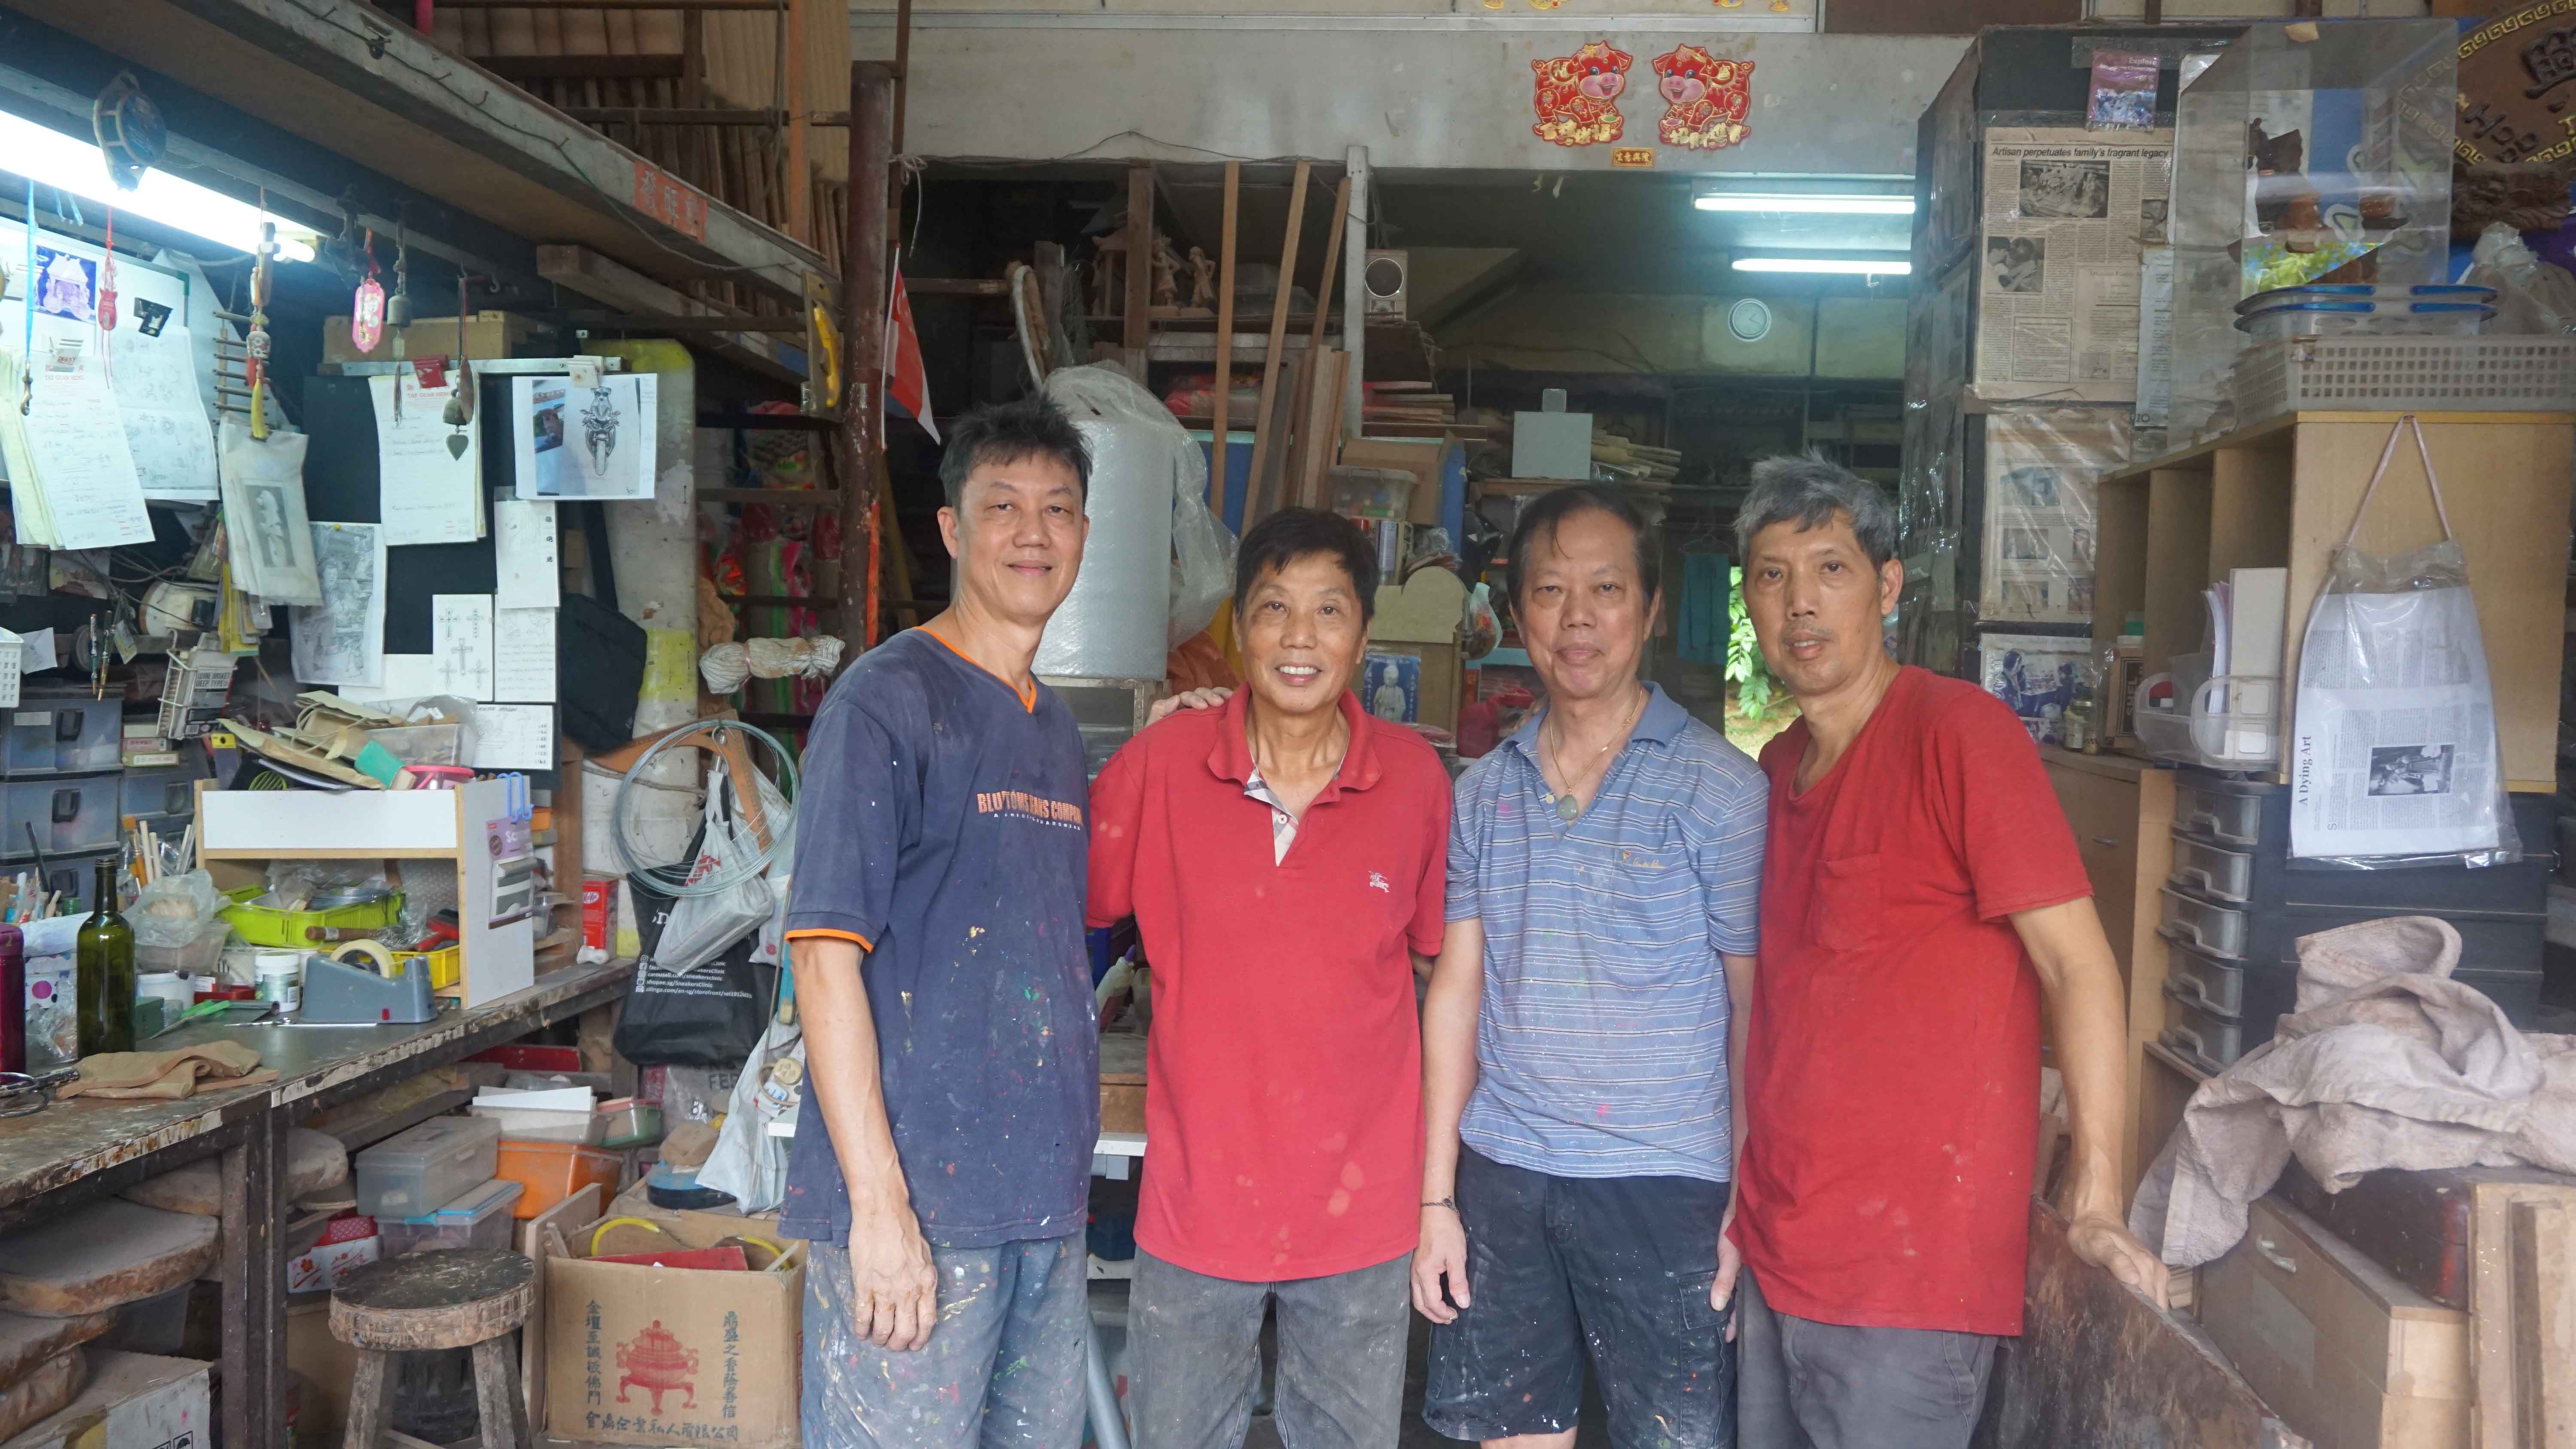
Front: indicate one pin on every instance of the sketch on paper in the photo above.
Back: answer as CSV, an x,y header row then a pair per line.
x,y
270,544
584,442
461,640
342,639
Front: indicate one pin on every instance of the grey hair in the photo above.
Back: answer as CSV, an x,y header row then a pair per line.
x,y
1808,492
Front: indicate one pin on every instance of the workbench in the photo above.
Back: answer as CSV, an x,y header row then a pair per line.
x,y
72,1152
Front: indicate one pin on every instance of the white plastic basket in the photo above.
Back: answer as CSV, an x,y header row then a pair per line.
x,y
2403,374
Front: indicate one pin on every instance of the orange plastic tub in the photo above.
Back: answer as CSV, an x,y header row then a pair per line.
x,y
553,1171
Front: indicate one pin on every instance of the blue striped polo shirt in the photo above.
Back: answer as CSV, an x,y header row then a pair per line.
x,y
1601,1041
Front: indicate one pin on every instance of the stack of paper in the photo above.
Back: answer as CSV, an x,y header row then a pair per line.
x,y
72,478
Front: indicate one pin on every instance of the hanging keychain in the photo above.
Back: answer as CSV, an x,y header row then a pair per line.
x,y
460,403
256,345
398,307
107,281
367,307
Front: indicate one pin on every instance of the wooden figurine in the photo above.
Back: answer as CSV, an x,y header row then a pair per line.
x,y
1202,280
1167,273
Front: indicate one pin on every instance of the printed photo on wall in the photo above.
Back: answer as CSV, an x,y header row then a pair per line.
x,y
66,285
584,442
1391,687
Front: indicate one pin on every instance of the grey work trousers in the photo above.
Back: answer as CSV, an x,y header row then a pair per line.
x,y
1196,1364
1801,1384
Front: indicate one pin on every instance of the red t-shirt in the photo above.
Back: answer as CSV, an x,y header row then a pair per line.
x,y
1283,1075
1893,1075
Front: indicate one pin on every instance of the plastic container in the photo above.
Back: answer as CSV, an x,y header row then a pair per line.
x,y
1371,492
446,965
163,792
202,957
428,744
2203,1038
2211,870
629,1122
2360,373
424,1169
281,982
553,1171
2197,923
269,926
58,817
2228,819
169,987
582,1128
2204,981
481,1218
2454,292
62,735
2386,319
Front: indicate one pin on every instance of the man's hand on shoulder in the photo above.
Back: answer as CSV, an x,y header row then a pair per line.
x,y
1164,708
2100,1238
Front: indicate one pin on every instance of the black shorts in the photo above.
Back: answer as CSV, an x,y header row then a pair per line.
x,y
1555,1263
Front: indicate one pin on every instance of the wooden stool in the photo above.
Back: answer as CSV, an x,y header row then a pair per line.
x,y
432,1301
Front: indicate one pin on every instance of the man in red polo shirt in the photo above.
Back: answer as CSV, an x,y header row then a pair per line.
x,y
1286,859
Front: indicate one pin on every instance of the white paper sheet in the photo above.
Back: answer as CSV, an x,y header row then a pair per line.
x,y
13,660
406,677
166,430
76,445
584,442
460,633
342,639
36,650
523,551
266,531
514,737
428,494
523,655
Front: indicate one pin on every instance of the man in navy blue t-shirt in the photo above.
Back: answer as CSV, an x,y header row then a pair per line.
x,y
942,1160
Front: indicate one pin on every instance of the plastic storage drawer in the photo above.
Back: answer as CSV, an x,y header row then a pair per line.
x,y
479,1219
2201,1037
2205,925
2205,981
70,877
2212,870
62,735
420,1171
2208,809
57,817
554,1171
161,792
2254,820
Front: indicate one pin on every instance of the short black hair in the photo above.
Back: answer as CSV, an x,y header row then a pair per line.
x,y
1294,533
1032,426
1547,510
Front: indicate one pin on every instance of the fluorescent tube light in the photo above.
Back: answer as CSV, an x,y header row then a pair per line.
x,y
1811,205
1829,266
66,163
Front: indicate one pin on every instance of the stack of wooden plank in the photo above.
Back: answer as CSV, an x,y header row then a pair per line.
x,y
1405,410
1630,462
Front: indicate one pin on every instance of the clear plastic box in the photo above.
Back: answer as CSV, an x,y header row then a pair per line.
x,y
2211,928
479,1219
2311,151
162,791
2215,815
57,817
422,1170
62,735
2226,874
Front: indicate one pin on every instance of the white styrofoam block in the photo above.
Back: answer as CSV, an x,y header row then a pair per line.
x,y
1552,445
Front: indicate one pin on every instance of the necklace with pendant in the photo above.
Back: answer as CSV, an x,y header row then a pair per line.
x,y
1569,809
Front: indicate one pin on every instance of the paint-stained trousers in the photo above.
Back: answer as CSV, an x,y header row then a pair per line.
x,y
1004,1369
1197,1357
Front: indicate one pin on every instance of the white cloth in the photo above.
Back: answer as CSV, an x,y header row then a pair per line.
x,y
2388,1063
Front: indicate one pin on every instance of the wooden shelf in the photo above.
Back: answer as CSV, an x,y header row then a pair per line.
x,y
2197,456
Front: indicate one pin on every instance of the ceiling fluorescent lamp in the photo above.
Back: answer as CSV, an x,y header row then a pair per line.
x,y
1808,205
66,163
1827,266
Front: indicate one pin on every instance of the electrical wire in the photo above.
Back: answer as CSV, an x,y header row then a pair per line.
x,y
672,878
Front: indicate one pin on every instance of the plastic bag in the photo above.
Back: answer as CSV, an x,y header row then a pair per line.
x,y
698,928
2394,756
1202,547
748,1161
709,1017
174,910
2533,298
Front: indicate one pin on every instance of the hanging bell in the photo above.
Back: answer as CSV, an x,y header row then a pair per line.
x,y
398,310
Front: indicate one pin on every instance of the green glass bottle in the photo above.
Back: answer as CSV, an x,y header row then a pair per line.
x,y
105,962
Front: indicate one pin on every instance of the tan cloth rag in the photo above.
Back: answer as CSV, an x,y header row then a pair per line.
x,y
2387,1063
167,1075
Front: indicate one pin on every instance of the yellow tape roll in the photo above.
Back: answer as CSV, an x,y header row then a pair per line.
x,y
379,960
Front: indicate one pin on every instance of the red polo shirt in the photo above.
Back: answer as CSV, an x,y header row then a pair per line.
x,y
1283,1080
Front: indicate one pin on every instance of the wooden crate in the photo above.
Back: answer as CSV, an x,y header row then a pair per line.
x,y
2121,811
2282,493
2349,1356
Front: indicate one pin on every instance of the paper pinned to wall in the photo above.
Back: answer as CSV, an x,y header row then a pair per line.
x,y
36,651
268,538
429,495
523,655
460,629
514,737
405,677
12,658
523,552
166,430
342,639
76,448
584,442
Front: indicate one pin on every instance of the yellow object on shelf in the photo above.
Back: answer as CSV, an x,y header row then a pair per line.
x,y
269,926
446,965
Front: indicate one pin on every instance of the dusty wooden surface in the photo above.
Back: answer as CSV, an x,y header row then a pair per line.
x,y
71,1140
433,1300
106,1254
314,1161
56,1382
26,1341
2099,1366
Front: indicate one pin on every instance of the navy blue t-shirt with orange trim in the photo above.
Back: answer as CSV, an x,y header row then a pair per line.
x,y
942,827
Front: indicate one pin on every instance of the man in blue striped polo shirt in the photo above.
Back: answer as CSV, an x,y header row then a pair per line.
x,y
1583,1025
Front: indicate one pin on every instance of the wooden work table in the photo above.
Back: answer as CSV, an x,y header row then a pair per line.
x,y
53,1160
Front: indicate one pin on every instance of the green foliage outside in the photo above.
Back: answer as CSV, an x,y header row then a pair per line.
x,y
1762,708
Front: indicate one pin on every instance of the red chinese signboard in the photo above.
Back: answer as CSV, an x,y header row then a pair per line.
x,y
670,201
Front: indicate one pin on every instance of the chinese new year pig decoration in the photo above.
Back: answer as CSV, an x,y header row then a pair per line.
x,y
1704,98
1578,95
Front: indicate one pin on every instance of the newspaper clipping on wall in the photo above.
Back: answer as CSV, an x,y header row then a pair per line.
x,y
2066,214
2038,675
2040,467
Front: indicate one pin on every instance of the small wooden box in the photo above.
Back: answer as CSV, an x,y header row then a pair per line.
x,y
1122,1082
2348,1355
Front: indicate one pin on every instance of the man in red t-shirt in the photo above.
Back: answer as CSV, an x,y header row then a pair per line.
x,y
1286,858
1921,900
